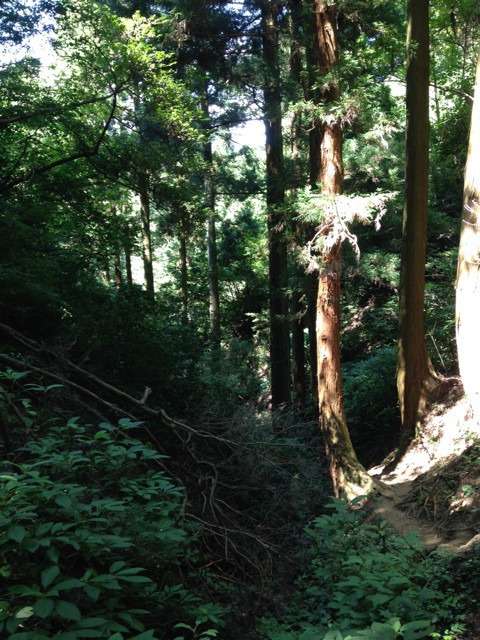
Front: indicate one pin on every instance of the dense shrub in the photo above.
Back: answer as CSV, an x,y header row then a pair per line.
x,y
366,582
371,403
93,541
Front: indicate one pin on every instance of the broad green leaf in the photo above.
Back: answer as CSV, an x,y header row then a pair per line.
x,y
17,533
28,635
417,630
146,635
116,566
24,613
91,622
49,575
134,579
70,583
44,607
63,501
68,610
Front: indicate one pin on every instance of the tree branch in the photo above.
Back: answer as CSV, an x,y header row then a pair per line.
x,y
5,121
85,153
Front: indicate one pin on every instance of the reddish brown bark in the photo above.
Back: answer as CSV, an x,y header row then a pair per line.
x,y
347,474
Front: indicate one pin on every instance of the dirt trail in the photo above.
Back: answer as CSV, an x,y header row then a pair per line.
x,y
386,505
447,434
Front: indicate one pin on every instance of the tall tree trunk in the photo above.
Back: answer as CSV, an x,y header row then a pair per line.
x,y
468,270
213,281
298,352
414,375
127,250
315,43
312,292
147,253
279,330
298,295
107,272
117,269
349,478
117,264
184,270
322,55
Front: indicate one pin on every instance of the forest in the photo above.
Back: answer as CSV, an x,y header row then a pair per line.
x,y
239,307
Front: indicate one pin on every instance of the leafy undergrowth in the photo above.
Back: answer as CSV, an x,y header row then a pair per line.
x,y
93,543
366,582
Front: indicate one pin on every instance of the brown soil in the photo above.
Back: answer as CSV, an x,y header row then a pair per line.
x,y
434,489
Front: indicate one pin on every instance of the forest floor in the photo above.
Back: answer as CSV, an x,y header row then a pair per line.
x,y
434,490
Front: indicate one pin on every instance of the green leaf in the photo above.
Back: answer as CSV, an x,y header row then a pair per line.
x,y
146,635
130,571
43,608
24,613
135,579
379,598
49,575
91,622
71,583
68,610
417,629
28,635
92,592
116,566
17,533
63,501
333,635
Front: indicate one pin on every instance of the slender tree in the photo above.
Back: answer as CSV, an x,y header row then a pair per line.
x,y
127,251
183,232
348,476
468,269
279,330
147,251
415,376
298,307
213,280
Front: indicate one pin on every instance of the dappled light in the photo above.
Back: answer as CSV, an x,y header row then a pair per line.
x,y
239,320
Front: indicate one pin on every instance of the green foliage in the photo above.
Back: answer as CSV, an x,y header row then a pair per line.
x,y
364,577
92,539
371,403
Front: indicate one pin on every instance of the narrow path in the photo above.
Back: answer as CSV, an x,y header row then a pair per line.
x,y
386,505
447,434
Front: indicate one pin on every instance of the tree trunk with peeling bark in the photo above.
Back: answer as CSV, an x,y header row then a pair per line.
x,y
349,478
415,377
468,269
279,329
